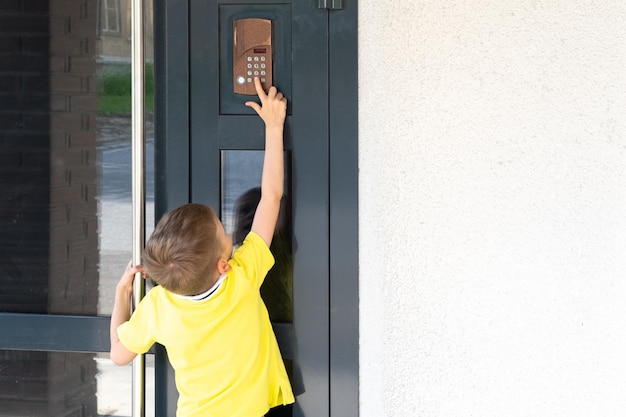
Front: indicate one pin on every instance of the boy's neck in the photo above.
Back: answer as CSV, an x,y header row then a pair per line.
x,y
207,293
212,282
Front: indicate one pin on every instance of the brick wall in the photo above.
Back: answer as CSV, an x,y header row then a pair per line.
x,y
73,171
48,207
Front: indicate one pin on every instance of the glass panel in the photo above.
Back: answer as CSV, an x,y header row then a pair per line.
x,y
65,207
241,181
42,384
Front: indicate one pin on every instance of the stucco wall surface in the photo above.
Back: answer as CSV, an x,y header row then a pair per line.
x,y
492,212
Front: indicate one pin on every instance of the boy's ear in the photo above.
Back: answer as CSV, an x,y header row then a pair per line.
x,y
222,266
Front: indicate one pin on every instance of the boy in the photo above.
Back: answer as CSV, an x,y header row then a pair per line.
x,y
207,310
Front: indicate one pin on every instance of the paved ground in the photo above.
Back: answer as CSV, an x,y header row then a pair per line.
x,y
115,388
116,129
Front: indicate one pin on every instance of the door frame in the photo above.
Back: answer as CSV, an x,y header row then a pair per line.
x,y
173,145
344,213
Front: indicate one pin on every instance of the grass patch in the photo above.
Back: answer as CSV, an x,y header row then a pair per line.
x,y
114,92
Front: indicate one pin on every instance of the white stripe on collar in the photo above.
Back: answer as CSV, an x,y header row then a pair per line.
x,y
207,294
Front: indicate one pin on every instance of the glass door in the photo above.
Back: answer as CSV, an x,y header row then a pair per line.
x,y
65,207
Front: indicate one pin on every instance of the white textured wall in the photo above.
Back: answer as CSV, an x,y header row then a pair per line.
x,y
492,141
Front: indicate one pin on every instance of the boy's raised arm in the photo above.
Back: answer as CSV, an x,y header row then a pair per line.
x,y
272,110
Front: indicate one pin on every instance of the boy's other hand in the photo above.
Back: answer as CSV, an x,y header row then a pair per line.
x,y
126,281
273,107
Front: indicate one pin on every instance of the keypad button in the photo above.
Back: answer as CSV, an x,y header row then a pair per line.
x,y
241,79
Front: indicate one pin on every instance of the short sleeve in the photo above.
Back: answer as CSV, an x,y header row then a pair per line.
x,y
136,334
252,259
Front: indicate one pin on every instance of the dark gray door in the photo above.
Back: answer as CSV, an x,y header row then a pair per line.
x,y
210,151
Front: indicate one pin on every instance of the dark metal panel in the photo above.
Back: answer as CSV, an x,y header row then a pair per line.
x,y
54,333
246,133
310,208
285,336
204,102
344,262
165,392
171,104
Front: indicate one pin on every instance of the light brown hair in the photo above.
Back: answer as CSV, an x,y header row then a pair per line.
x,y
182,252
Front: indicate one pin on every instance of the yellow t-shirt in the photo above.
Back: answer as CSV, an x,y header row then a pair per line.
x,y
223,349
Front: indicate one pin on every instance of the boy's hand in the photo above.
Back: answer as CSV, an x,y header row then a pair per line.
x,y
121,313
125,284
273,107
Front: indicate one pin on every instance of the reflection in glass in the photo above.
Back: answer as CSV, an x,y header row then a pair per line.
x,y
114,144
42,384
241,176
47,383
65,208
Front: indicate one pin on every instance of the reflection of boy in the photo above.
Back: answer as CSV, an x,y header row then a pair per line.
x,y
207,311
276,290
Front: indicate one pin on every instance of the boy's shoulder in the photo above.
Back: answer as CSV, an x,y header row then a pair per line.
x,y
252,243
253,258
255,239
155,295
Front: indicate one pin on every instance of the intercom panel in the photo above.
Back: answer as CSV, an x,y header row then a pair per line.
x,y
252,54
254,40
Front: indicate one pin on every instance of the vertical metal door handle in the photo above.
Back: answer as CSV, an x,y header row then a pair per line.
x,y
138,186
